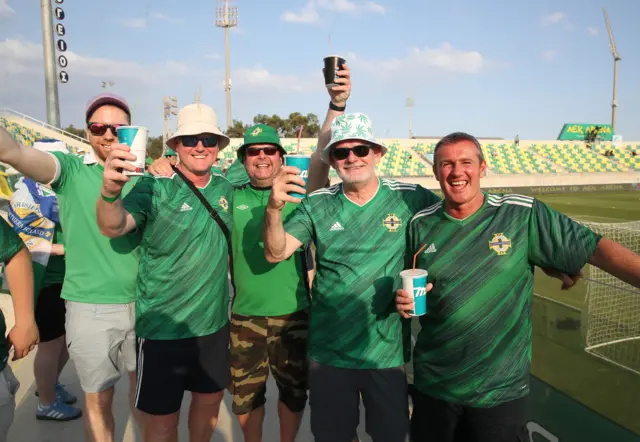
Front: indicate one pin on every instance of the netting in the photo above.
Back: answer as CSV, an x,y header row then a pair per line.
x,y
613,306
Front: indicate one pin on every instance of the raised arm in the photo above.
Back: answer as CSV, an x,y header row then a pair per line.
x,y
113,219
318,169
278,244
618,261
39,166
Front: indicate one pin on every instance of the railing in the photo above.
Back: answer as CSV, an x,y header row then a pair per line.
x,y
45,125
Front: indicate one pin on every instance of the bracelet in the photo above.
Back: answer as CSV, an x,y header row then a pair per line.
x,y
336,108
110,199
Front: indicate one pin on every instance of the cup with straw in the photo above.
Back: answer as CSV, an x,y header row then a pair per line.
x,y
414,282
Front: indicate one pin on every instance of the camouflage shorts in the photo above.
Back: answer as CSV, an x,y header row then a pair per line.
x,y
259,343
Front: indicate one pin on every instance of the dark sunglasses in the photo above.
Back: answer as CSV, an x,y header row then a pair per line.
x,y
255,151
342,153
192,140
99,129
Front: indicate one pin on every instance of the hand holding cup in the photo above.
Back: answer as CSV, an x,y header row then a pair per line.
x,y
287,181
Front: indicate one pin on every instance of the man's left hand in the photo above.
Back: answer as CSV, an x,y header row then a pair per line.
x,y
161,167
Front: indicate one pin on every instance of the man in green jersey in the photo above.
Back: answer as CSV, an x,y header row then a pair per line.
x,y
24,335
356,339
270,320
182,301
99,281
472,356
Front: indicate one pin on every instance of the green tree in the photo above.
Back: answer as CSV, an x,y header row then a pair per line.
x,y
76,131
237,129
155,147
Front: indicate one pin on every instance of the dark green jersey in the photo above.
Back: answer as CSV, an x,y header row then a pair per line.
x,y
10,245
474,347
182,286
359,256
237,174
263,289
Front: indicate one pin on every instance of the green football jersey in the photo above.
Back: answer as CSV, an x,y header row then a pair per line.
x,y
237,174
359,256
99,270
10,245
474,347
262,288
182,287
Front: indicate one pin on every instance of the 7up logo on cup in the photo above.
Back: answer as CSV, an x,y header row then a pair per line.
x,y
414,282
302,163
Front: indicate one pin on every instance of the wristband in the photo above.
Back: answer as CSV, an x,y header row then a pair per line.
x,y
110,199
336,108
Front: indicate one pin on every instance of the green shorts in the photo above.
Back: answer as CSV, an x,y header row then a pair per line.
x,y
259,342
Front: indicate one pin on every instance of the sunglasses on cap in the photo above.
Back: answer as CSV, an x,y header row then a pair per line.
x,y
342,153
192,140
99,129
255,151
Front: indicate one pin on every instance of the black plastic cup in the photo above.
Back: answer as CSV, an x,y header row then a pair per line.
x,y
332,64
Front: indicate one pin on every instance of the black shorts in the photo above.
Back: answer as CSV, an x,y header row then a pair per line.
x,y
166,368
50,313
335,403
435,420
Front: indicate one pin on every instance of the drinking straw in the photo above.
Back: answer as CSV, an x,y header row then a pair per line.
x,y
299,136
416,256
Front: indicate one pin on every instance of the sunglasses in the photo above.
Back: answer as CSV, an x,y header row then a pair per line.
x,y
255,151
342,153
192,140
99,129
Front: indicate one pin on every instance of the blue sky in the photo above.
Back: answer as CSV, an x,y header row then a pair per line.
x,y
491,68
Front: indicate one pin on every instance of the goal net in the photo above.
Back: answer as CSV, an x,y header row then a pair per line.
x,y
613,306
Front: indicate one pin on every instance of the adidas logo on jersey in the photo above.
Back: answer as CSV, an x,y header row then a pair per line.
x,y
431,249
185,207
242,207
336,226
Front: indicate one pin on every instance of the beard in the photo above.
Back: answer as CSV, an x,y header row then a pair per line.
x,y
361,178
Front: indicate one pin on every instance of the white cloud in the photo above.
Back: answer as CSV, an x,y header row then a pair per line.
x,y
445,58
309,13
374,7
159,16
550,54
257,78
135,23
554,18
177,67
5,10
593,31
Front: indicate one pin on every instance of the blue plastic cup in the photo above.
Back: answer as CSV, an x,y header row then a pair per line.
x,y
302,163
414,282
136,138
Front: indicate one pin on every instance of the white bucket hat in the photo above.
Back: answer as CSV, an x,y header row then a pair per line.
x,y
196,119
356,126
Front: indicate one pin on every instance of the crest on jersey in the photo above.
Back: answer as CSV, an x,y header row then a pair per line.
x,y
500,244
392,222
223,203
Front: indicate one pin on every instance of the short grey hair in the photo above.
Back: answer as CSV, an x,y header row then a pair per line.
x,y
455,138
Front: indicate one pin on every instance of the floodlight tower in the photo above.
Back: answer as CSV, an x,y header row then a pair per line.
x,y
616,59
227,17
409,105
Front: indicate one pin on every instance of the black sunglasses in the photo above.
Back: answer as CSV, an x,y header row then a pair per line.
x,y
192,140
255,151
99,129
342,153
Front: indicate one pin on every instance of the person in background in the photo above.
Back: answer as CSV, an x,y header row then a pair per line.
x,y
34,215
23,337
